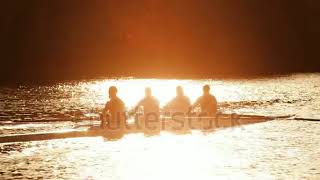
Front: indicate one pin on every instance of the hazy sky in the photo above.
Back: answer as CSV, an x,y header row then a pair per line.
x,y
67,39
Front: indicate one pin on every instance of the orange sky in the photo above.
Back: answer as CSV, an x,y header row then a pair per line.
x,y
156,38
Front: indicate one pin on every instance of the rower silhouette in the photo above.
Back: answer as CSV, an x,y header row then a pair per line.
x,y
114,117
151,112
179,104
207,103
149,103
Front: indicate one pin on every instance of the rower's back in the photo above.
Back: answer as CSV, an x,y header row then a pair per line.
x,y
115,108
208,103
150,122
180,104
150,104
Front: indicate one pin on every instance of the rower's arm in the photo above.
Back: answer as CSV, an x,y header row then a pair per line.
x,y
106,107
194,105
188,102
167,106
104,114
137,106
215,104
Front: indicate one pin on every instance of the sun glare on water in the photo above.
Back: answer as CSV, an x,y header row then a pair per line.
x,y
132,90
159,157
256,151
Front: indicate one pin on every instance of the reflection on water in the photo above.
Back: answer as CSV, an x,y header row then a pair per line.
x,y
271,150
279,149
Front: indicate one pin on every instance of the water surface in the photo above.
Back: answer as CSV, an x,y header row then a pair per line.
x,y
284,149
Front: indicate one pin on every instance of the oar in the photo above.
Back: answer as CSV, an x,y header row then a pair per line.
x,y
306,119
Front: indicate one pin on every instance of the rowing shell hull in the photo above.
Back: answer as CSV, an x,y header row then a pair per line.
x,y
177,126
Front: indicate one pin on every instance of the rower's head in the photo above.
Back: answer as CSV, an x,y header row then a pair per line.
x,y
179,91
148,92
206,89
113,92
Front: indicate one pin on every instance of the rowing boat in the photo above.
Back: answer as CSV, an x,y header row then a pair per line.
x,y
180,125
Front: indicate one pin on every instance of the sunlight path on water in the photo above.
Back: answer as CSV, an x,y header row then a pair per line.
x,y
271,150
